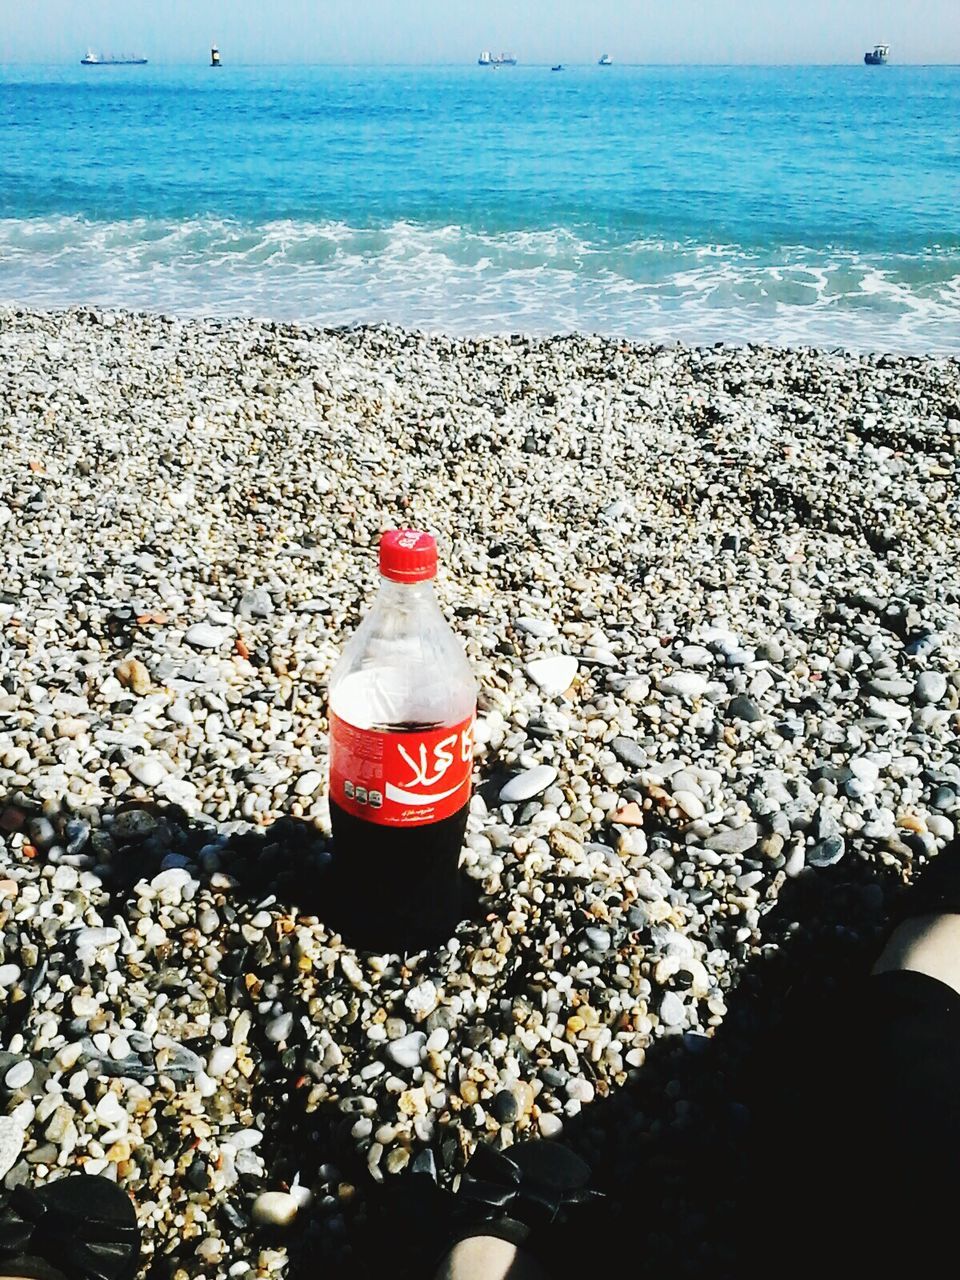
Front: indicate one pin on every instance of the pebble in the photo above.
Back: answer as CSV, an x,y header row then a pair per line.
x,y
528,784
147,770
931,688
204,636
406,1051
825,853
672,1011
11,1144
683,684
19,1076
255,603
629,752
222,1060
274,1209
552,676
133,675
550,1126
692,806
734,840
280,1029
744,708
504,1107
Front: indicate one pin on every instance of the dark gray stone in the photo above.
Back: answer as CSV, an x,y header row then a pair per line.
x,y
744,708
826,852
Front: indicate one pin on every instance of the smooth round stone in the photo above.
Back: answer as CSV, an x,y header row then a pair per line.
x,y
274,1209
734,840
9,973
683,684
19,1075
931,688
744,708
689,804
95,938
941,827
308,783
280,1028
550,1125
597,939
529,784
672,1011
629,753
504,1107
695,655
552,676
147,770
42,832
825,853
222,1059
406,1051
204,636
580,1090
538,627
11,1144
208,921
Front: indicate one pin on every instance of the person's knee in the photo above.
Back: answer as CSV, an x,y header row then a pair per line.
x,y
488,1258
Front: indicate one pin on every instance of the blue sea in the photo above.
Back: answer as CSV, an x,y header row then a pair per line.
x,y
791,205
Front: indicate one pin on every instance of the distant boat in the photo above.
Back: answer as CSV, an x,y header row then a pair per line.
x,y
111,60
215,57
605,60
558,67
487,59
878,56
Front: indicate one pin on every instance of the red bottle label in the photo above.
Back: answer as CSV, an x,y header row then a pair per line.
x,y
400,779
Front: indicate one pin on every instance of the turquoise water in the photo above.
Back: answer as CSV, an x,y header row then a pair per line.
x,y
816,205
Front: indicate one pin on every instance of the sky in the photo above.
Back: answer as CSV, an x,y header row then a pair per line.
x,y
451,31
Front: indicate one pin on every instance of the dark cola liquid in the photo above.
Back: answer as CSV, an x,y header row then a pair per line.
x,y
397,888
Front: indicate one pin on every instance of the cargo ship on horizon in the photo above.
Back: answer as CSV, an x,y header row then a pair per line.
x,y
91,59
487,59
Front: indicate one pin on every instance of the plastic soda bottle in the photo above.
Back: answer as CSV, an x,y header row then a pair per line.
x,y
402,706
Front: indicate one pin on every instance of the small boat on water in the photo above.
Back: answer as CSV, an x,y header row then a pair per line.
x,y
487,59
558,67
92,59
215,57
878,56
605,60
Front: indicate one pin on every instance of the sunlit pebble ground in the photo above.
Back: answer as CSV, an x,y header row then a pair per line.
x,y
740,568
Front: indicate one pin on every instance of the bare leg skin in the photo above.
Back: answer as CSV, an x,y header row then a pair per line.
x,y
487,1258
925,944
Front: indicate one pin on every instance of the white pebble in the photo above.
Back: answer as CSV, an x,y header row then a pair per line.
x,y
529,784
11,1144
274,1209
552,676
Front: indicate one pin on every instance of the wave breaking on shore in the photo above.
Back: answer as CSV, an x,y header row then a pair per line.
x,y
458,280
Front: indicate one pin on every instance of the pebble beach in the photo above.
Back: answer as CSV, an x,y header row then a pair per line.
x,y
712,600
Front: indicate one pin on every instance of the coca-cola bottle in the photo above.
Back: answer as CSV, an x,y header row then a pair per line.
x,y
402,707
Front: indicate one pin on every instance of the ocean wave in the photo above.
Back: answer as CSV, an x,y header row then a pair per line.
x,y
458,279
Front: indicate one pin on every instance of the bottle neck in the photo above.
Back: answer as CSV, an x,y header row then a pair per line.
x,y
408,595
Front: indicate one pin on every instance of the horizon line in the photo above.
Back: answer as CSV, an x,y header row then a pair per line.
x,y
163,62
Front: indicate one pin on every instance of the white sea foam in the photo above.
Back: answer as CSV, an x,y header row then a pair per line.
x,y
461,280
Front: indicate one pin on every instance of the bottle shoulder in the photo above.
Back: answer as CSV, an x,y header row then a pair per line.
x,y
398,669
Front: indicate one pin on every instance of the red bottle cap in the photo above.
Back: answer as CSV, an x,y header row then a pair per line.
x,y
406,555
